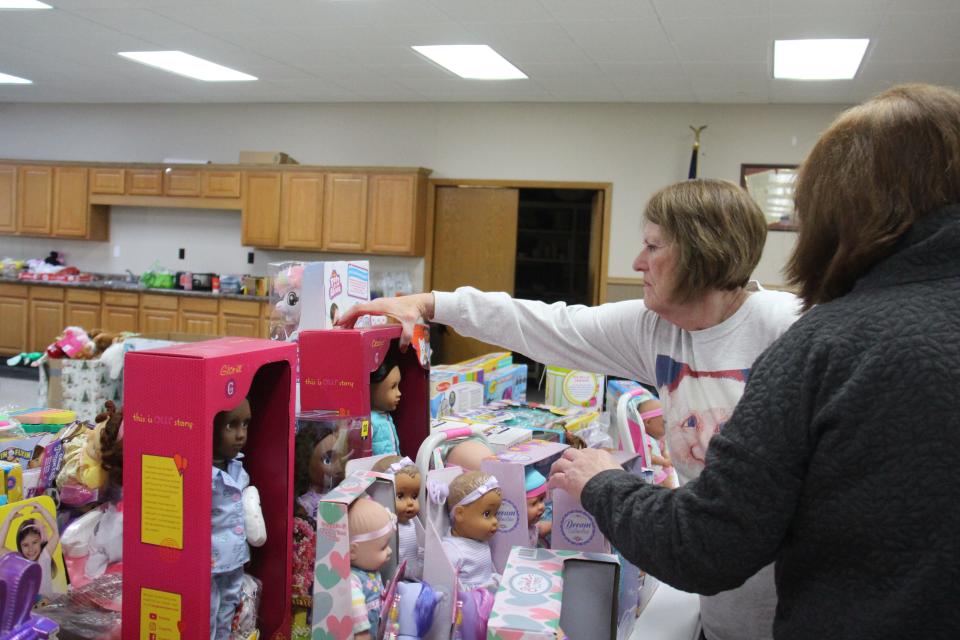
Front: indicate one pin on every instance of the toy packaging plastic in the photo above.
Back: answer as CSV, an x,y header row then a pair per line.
x,y
172,396
313,295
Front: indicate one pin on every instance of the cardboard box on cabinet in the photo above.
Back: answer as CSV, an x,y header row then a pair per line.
x,y
171,398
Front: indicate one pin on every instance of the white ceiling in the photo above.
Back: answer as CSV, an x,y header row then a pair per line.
x,y
696,51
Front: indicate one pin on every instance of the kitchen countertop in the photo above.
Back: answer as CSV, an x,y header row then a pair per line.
x,y
115,284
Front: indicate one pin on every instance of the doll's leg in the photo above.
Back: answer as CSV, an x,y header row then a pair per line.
x,y
227,587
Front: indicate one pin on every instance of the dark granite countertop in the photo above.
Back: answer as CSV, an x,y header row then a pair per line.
x,y
117,284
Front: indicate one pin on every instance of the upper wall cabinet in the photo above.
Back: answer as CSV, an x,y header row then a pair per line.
x,y
8,198
345,212
107,181
397,223
301,222
35,200
260,218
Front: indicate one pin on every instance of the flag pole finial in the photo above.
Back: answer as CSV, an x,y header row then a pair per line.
x,y
696,133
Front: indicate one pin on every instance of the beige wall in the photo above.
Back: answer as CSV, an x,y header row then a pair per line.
x,y
638,148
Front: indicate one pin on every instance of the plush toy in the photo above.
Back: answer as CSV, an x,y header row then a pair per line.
x,y
103,339
31,359
285,320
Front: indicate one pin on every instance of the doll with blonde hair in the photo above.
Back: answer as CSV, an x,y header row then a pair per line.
x,y
372,527
473,501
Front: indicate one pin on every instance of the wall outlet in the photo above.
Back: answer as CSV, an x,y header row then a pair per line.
x,y
250,257
183,253
116,251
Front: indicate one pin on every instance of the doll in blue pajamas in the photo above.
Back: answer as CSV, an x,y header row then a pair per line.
x,y
228,526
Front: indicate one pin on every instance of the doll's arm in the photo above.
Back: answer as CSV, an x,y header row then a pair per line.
x,y
253,523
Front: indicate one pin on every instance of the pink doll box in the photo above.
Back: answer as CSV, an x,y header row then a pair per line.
x,y
331,582
171,397
508,467
335,368
553,595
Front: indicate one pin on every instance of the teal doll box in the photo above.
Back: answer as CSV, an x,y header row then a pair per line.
x,y
550,595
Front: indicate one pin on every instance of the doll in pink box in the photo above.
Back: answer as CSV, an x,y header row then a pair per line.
x,y
473,501
406,480
371,528
236,518
535,485
384,399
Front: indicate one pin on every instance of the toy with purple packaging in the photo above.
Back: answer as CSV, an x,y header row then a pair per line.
x,y
19,583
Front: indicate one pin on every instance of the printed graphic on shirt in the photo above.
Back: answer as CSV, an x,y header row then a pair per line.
x,y
697,404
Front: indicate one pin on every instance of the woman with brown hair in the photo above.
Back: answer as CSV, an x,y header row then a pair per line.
x,y
840,460
695,335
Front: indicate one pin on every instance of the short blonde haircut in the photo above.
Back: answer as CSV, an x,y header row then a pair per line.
x,y
719,232
383,465
366,515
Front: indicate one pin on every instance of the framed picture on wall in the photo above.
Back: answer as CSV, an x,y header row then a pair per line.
x,y
771,185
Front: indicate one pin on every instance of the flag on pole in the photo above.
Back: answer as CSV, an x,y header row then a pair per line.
x,y
692,174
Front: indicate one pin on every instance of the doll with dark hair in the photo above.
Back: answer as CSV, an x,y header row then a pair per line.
x,y
384,398
36,541
236,519
318,466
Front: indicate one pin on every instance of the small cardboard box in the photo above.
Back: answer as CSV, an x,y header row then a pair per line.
x,y
509,467
80,385
338,285
172,395
331,583
571,388
505,383
487,362
266,157
554,595
335,367
454,389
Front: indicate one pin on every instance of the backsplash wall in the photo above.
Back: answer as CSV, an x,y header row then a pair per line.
x,y
211,238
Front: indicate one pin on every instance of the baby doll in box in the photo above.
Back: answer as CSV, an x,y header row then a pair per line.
x,y
320,453
473,501
236,518
406,478
384,399
371,528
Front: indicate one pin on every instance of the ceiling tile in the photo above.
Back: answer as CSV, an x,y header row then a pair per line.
x,y
634,78
493,10
698,9
575,10
528,42
811,25
720,39
734,77
621,41
827,9
918,36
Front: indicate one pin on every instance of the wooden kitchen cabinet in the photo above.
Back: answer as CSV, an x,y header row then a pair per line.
x,y
107,181
198,315
71,211
82,309
221,184
46,316
396,221
260,217
8,198
158,313
144,182
35,200
345,212
240,318
14,316
120,311
182,182
301,210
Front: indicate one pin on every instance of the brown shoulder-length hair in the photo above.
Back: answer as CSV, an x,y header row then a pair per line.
x,y
719,232
879,167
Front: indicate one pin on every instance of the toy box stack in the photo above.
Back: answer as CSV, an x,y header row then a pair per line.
x,y
171,398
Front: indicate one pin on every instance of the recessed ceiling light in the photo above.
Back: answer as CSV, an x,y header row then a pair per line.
x,y
817,59
187,65
472,61
23,4
8,79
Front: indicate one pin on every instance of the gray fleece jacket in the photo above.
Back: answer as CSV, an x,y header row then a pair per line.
x,y
839,463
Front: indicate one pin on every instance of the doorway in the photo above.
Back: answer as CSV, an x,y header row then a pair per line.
x,y
536,240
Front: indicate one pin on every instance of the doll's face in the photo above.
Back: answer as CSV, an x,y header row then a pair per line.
x,y
324,463
370,555
535,508
478,520
31,546
385,395
653,426
230,431
408,492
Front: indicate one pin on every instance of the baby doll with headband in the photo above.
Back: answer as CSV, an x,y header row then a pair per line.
x,y
466,453
473,501
236,518
535,485
371,529
384,398
406,479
